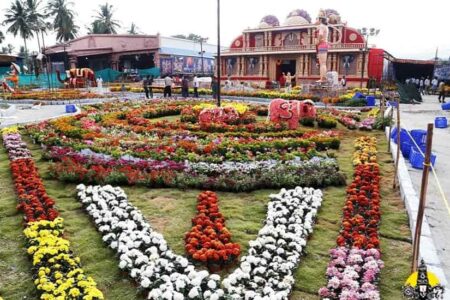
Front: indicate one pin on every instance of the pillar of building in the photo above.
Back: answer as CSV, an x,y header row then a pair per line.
x,y
157,59
73,62
269,40
307,62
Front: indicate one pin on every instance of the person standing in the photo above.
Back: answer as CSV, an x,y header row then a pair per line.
x,y
427,84
344,82
196,86
434,85
289,82
421,86
184,87
168,82
145,86
282,80
214,87
441,92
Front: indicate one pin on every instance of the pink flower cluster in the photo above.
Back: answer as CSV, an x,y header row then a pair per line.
x,y
353,274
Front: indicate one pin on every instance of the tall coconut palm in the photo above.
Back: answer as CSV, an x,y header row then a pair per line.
x,y
35,16
17,18
105,21
64,19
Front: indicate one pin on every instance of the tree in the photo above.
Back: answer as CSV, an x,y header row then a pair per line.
x,y
35,17
104,22
2,37
190,36
8,49
17,18
63,19
133,29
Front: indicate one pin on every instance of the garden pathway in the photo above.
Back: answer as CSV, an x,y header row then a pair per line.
x,y
417,117
24,114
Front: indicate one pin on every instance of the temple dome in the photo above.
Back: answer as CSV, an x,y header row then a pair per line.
x,y
298,17
269,21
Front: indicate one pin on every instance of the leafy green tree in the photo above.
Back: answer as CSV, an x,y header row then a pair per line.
x,y
16,17
133,29
63,19
104,22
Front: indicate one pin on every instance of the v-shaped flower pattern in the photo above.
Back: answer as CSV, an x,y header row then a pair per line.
x,y
265,273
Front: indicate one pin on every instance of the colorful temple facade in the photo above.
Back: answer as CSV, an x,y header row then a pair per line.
x,y
263,53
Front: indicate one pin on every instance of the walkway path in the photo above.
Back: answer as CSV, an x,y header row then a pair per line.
x,y
24,114
417,117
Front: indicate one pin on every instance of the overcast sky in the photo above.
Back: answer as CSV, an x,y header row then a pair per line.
x,y
409,29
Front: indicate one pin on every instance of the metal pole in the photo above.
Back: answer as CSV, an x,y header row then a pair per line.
x,y
423,197
398,144
363,65
218,54
201,51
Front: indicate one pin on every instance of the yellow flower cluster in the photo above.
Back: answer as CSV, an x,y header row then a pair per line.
x,y
10,130
374,112
239,107
59,275
365,151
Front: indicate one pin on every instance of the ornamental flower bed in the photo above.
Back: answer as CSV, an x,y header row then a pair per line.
x,y
266,273
209,241
92,168
126,147
143,252
57,271
355,266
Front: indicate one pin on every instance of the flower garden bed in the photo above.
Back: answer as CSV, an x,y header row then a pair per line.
x,y
169,211
128,147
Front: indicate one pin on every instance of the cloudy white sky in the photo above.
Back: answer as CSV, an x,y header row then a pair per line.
x,y
409,29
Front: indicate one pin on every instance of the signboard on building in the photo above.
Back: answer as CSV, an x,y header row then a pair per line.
x,y
186,65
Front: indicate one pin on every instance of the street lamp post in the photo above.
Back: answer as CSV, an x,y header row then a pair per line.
x,y
202,40
366,33
218,54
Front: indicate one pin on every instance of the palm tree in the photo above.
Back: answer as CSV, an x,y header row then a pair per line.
x,y
133,29
17,18
2,37
96,28
104,20
35,17
63,21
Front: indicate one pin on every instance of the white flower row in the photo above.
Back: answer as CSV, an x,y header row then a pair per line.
x,y
143,252
267,271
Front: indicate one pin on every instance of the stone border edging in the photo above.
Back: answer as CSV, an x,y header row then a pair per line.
x,y
427,248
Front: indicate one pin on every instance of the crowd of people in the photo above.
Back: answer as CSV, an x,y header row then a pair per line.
x,y
429,87
170,81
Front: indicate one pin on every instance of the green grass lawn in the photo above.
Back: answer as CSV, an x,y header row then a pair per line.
x,y
170,211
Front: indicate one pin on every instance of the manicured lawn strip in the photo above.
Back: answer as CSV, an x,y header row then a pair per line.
x,y
16,281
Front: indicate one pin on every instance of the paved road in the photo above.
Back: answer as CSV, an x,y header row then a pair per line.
x,y
25,115
417,117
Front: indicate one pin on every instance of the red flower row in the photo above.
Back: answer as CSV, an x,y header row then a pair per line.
x,y
362,214
33,199
209,241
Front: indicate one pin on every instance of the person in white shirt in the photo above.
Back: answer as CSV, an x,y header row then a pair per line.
x,y
427,85
196,86
434,85
421,86
168,82
343,82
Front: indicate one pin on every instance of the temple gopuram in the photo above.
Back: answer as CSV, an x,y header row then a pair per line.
x,y
260,55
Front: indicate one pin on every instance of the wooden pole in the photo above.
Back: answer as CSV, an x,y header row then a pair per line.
x,y
398,144
423,197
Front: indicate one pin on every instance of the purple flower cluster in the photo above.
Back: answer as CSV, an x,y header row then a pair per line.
x,y
89,157
353,274
15,147
367,124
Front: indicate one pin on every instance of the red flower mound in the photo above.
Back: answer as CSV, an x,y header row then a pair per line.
x,y
209,241
362,214
225,115
33,199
